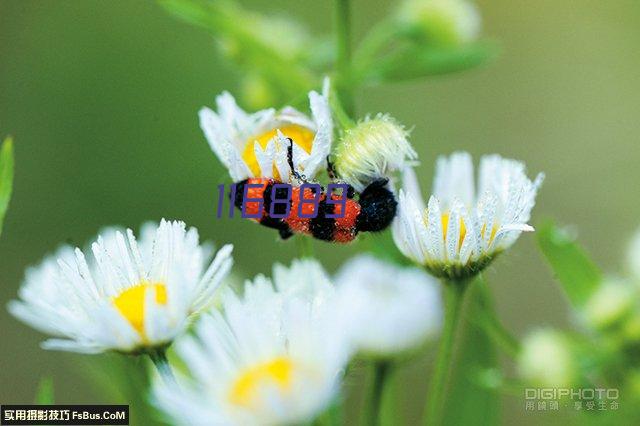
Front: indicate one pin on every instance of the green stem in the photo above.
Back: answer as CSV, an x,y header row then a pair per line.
x,y
500,335
373,410
377,39
453,297
159,359
344,120
305,246
342,22
491,324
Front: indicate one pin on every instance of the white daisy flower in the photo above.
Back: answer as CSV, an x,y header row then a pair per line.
x,y
389,309
463,228
130,297
373,149
255,145
274,356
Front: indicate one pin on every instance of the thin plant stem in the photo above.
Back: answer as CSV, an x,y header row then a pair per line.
x,y
500,336
454,292
374,42
491,324
344,120
305,245
159,359
344,84
373,409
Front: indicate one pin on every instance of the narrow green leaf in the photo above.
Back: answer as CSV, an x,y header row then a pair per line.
x,y
419,61
577,274
6,177
246,35
469,401
45,394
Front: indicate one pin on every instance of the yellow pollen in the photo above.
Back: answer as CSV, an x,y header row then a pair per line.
x,y
445,224
301,136
245,389
130,303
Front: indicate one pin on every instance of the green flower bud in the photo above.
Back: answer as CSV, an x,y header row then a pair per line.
x,y
373,149
547,359
256,92
611,303
442,22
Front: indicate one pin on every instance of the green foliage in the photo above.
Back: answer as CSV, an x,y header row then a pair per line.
x,y
420,61
469,401
6,177
257,43
45,394
577,274
124,380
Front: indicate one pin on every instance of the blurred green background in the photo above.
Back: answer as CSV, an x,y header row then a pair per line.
x,y
102,99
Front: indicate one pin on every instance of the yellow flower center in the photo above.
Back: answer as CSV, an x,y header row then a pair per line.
x,y
301,136
276,372
130,303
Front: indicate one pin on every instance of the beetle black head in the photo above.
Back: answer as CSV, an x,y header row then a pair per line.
x,y
378,207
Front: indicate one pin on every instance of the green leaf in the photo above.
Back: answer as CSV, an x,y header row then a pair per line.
x,y
6,177
575,271
252,40
44,395
417,61
469,400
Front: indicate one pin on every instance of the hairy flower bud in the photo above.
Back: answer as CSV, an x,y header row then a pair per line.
x,y
373,149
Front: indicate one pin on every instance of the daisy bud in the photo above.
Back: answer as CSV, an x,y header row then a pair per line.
x,y
256,91
546,359
388,309
610,304
373,149
441,22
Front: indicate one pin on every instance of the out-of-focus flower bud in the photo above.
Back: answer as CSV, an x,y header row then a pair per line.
x,y
610,304
256,92
547,359
444,22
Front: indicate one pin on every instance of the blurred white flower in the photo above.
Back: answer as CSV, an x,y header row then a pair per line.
x,y
442,21
388,309
255,145
274,356
610,304
463,228
546,359
131,297
373,149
